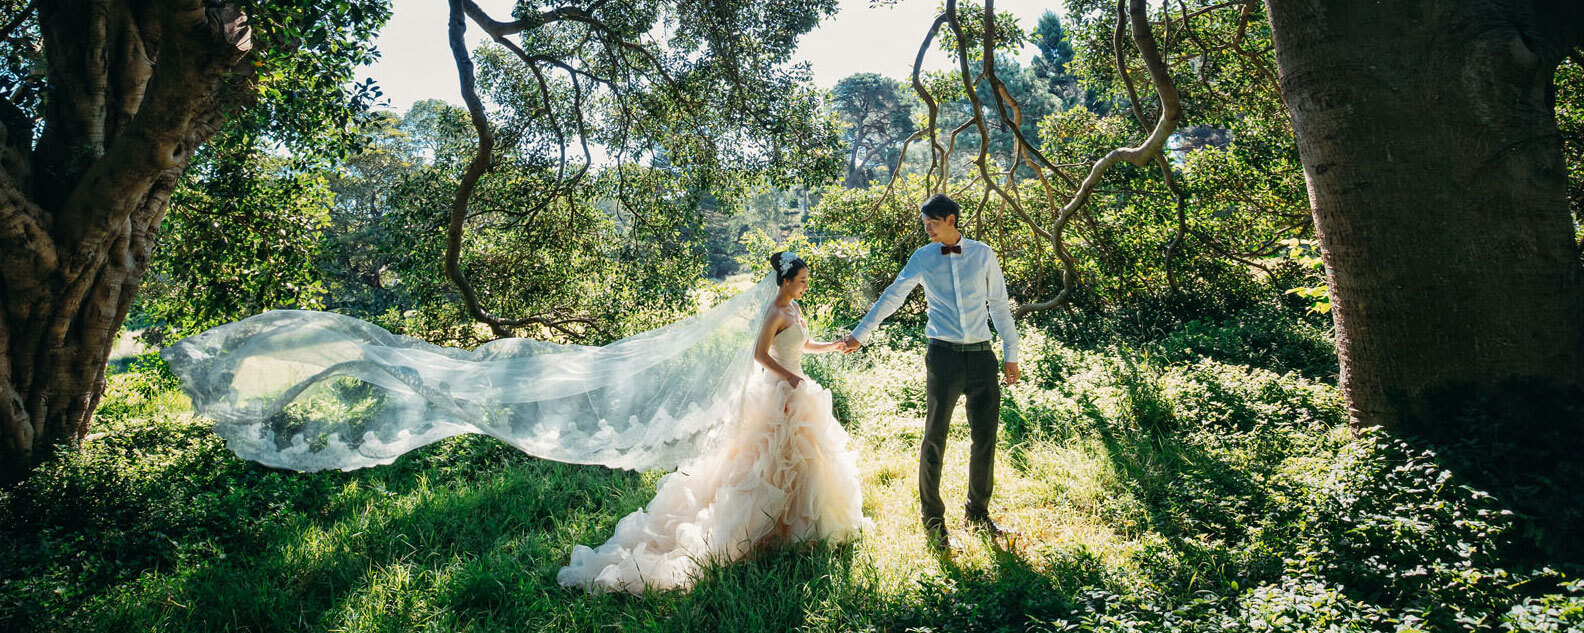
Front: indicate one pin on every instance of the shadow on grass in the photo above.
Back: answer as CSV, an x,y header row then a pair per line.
x,y
384,557
461,536
1013,593
1435,529
1199,502
1521,442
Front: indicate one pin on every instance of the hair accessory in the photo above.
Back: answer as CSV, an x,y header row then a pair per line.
x,y
787,260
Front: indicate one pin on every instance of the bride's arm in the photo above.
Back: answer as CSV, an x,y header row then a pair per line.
x,y
820,347
772,324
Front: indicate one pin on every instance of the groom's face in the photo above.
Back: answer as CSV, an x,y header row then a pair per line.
x,y
937,228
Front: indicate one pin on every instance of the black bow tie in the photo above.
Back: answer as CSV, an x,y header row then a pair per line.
x,y
947,250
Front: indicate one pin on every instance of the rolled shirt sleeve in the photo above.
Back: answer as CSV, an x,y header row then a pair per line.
x,y
1001,310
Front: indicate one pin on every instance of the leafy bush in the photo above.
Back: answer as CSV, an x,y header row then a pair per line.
x,y
146,388
1161,493
1258,326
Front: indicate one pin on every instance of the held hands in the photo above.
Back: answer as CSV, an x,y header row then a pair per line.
x,y
1011,370
848,344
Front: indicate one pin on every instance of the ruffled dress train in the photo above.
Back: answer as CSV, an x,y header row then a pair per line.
x,y
785,475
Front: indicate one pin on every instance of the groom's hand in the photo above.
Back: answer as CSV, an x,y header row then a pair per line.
x,y
1011,372
850,344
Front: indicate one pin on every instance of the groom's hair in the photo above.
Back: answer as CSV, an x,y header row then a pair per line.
x,y
941,205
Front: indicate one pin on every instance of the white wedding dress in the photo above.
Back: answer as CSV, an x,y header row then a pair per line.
x,y
756,459
783,474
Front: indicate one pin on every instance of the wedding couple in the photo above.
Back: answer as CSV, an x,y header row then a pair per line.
x,y
759,457
787,473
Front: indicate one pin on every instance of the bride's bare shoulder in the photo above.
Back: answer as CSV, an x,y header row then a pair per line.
x,y
773,315
778,318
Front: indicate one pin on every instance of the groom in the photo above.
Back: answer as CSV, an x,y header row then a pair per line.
x,y
963,288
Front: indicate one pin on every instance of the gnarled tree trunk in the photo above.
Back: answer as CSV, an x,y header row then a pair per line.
x,y
1429,141
135,88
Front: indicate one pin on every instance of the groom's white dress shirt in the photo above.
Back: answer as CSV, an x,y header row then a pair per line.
x,y
959,288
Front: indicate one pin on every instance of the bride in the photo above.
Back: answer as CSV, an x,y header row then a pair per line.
x,y
719,396
785,474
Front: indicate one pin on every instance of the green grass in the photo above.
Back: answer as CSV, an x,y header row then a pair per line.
x,y
1150,493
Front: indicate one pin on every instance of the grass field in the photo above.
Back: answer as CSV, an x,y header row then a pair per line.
x,y
1150,493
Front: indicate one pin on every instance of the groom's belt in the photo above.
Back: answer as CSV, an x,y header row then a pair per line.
x,y
981,346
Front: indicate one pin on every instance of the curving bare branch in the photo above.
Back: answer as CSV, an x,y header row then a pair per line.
x,y
1133,13
938,155
476,169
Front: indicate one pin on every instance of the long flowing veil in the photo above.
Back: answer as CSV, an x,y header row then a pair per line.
x,y
313,391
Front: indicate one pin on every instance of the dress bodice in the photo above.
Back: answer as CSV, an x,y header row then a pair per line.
x,y
787,347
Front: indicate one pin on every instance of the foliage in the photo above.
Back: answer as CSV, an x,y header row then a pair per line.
x,y
1157,494
772,210
1009,32
1235,159
1570,124
1306,253
241,233
1256,325
1055,50
571,259
621,252
876,114
21,62
701,89
241,238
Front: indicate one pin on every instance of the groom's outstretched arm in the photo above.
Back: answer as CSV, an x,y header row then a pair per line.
x,y
891,299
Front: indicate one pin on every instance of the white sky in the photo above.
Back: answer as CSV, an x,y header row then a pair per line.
x,y
416,60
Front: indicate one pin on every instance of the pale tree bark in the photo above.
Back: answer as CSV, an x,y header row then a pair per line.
x,y
1430,147
136,87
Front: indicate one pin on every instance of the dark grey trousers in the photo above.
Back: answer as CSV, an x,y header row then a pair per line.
x,y
952,374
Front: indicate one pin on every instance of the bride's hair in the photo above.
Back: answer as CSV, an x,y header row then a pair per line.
x,y
793,264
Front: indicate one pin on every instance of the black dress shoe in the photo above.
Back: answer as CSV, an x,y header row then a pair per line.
x,y
987,525
940,540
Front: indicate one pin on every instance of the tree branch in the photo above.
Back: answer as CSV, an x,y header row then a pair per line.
x,y
470,177
970,84
1204,52
27,252
476,169
18,21
498,29
1215,7
1133,12
1227,253
895,173
937,153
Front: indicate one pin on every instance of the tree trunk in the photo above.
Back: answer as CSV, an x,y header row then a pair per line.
x,y
854,177
1429,142
136,87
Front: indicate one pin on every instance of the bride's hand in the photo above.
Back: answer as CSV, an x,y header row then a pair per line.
x,y
794,380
